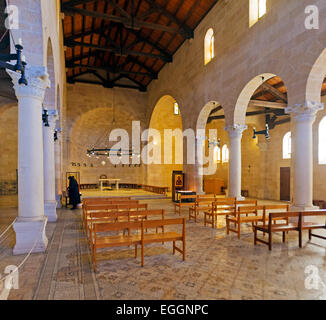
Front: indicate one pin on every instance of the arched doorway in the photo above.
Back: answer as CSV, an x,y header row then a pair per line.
x,y
261,107
166,118
212,163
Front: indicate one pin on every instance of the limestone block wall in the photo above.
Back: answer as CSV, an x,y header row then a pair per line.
x,y
88,123
278,44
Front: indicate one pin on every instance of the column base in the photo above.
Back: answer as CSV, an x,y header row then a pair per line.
x,y
50,210
30,235
295,208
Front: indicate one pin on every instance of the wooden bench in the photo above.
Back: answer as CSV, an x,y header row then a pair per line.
x,y
104,200
182,203
155,189
117,206
201,204
307,225
220,207
109,241
121,216
298,226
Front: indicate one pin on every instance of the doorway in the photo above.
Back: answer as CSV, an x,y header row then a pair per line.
x,y
285,184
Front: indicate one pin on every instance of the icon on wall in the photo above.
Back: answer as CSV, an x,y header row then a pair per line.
x,y
179,180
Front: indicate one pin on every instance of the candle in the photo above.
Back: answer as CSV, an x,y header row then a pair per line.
x,y
20,41
23,58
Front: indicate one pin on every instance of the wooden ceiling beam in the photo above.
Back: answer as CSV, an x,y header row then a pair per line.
x,y
122,52
275,92
112,70
187,32
129,23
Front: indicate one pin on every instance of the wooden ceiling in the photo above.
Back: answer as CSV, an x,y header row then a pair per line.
x,y
125,43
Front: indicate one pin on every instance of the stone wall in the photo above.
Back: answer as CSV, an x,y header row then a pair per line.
x,y
88,124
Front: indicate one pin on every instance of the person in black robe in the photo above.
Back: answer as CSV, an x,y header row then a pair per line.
x,y
73,193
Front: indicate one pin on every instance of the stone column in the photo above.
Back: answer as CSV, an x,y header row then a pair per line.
x,y
303,116
235,134
50,203
58,170
30,224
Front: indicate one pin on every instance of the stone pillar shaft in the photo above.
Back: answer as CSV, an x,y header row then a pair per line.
x,y
31,222
303,117
50,202
235,135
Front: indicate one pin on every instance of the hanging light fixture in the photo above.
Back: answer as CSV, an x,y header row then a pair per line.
x,y
98,152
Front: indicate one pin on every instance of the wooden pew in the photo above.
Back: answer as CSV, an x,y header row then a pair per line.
x,y
201,204
307,225
104,200
109,241
180,204
220,207
164,236
101,242
122,216
251,216
118,206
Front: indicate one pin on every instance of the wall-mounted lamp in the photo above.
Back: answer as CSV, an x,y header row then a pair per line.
x,y
20,62
262,132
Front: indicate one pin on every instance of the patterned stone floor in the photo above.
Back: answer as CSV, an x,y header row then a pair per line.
x,y
217,266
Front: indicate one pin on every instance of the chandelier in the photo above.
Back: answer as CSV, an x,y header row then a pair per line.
x,y
108,152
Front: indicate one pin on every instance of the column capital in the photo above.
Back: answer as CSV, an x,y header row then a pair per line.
x,y
305,111
38,82
235,130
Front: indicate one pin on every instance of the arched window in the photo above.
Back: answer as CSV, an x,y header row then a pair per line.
x,y
225,154
209,46
217,154
258,9
322,142
287,146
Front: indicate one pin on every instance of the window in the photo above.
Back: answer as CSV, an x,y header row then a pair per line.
x,y
225,154
176,109
287,146
209,46
322,142
217,154
257,9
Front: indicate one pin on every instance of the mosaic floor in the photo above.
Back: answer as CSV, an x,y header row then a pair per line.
x,y
217,266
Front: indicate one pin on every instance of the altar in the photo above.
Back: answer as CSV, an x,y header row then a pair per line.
x,y
116,181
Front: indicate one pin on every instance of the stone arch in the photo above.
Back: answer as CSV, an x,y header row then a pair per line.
x,y
245,96
162,118
316,79
50,93
201,141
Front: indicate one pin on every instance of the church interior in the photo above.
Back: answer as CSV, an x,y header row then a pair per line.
x,y
162,150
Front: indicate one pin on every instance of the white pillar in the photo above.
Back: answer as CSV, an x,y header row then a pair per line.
x,y
303,116
58,170
235,134
30,224
50,203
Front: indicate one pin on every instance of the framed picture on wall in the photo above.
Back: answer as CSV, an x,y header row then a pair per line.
x,y
178,180
76,175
